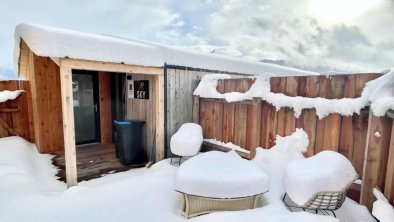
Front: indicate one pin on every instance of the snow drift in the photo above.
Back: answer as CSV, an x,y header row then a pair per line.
x,y
382,209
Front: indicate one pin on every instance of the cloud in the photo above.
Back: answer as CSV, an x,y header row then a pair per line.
x,y
283,30
291,32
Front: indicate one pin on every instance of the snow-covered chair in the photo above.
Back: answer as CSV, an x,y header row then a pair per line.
x,y
218,181
318,183
186,141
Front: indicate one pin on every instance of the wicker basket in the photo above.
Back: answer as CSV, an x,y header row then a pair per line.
x,y
195,205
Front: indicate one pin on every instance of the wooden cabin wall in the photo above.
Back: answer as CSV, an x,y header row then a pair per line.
x,y
44,77
16,117
144,109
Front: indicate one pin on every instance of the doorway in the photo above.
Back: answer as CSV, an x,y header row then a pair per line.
x,y
86,106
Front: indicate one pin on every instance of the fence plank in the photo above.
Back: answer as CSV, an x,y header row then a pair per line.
x,y
253,126
196,109
389,183
345,146
217,125
321,123
269,120
378,142
206,118
240,120
360,130
228,122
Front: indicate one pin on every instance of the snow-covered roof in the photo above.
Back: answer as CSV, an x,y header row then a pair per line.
x,y
60,43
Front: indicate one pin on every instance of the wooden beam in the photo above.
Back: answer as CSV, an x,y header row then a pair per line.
x,y
110,67
105,107
68,125
159,85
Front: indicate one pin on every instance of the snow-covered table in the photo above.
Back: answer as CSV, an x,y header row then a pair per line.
x,y
217,181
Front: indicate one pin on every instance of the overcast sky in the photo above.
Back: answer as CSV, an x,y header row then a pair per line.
x,y
329,35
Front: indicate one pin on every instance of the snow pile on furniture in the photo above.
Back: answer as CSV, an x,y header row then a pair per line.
x,y
229,145
378,92
55,42
324,172
220,175
9,95
24,169
275,160
187,140
382,209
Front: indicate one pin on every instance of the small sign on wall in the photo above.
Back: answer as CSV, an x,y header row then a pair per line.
x,y
141,89
130,89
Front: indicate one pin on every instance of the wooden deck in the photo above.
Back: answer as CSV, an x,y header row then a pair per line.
x,y
93,161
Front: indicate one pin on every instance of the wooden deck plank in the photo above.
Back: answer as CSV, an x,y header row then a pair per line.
x,y
93,161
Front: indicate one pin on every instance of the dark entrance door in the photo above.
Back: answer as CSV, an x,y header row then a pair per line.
x,y
86,109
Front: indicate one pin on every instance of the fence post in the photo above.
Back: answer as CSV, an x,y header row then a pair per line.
x,y
253,126
196,109
377,147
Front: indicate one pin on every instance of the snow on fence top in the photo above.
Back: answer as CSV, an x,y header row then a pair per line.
x,y
60,43
9,95
379,93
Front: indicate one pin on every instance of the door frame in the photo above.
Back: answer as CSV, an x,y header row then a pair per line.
x,y
96,100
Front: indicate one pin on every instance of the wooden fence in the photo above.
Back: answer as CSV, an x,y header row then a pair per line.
x,y
16,116
255,123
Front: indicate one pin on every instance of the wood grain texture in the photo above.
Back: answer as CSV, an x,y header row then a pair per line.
x,y
389,178
377,157
68,126
46,94
253,126
145,110
105,107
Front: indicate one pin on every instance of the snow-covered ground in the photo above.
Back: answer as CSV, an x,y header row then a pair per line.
x,y
29,191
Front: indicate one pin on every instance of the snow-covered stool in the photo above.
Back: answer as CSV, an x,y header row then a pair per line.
x,y
186,141
217,181
318,183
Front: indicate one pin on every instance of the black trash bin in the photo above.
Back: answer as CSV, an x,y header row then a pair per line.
x,y
129,141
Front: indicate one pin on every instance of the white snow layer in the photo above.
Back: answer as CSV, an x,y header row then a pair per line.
x,y
187,140
378,92
29,191
220,175
55,42
23,169
9,95
306,177
382,209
